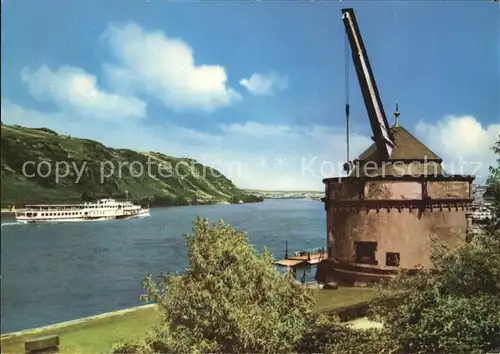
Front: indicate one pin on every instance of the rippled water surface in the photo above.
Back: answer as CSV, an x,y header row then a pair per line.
x,y
59,272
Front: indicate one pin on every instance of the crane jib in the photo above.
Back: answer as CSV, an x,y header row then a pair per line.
x,y
381,131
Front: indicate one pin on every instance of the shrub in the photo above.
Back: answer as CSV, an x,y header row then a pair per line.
x,y
453,307
229,300
132,347
327,334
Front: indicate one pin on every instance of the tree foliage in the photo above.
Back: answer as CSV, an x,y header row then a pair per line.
x,y
229,300
232,300
327,334
100,171
455,306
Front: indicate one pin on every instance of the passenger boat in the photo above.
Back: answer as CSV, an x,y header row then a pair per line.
x,y
101,210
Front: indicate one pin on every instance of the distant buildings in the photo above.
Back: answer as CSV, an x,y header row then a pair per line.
x,y
288,195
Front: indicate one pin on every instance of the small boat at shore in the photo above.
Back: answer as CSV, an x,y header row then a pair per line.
x,y
103,209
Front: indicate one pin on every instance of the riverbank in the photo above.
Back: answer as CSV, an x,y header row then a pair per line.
x,y
97,334
151,206
76,266
6,214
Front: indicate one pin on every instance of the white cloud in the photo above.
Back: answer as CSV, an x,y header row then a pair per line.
x,y
295,157
74,90
265,84
165,68
308,154
15,114
463,143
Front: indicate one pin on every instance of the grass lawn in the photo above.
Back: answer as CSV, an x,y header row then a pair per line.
x,y
95,336
344,296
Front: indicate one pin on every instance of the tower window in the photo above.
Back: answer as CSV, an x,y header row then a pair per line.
x,y
392,259
365,252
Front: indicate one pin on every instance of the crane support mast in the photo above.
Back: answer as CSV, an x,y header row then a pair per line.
x,y
382,134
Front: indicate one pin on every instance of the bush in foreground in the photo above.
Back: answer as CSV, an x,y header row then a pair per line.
x,y
329,335
455,306
232,300
133,347
229,300
451,308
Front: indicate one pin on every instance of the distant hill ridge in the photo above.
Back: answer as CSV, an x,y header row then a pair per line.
x,y
83,169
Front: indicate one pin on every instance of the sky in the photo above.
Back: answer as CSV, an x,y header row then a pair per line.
x,y
255,89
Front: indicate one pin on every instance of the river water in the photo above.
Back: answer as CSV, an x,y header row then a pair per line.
x,y
58,272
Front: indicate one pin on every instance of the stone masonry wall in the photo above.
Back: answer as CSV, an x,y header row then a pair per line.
x,y
405,231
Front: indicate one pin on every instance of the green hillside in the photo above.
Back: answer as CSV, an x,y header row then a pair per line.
x,y
82,169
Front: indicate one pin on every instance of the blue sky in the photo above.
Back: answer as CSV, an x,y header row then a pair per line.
x,y
234,84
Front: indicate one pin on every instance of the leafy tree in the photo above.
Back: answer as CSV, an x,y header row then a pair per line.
x,y
329,335
493,182
179,200
246,198
87,196
230,299
453,307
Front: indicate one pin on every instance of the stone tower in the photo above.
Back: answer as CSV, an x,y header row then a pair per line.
x,y
382,216
395,198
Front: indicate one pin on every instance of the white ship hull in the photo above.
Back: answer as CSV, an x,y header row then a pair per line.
x,y
105,209
32,221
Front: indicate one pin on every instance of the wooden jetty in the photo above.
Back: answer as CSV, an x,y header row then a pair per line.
x,y
301,260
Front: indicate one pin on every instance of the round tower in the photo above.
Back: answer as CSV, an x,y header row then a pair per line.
x,y
383,215
396,196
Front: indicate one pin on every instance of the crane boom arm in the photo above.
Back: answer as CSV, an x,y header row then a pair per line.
x,y
380,127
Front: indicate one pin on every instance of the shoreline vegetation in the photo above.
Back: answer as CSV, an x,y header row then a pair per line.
x,y
41,166
262,298
232,299
164,202
161,202
154,202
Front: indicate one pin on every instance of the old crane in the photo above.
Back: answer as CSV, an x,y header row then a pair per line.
x,y
396,195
